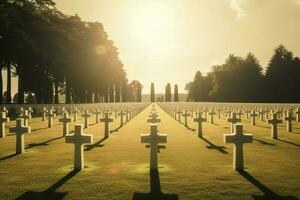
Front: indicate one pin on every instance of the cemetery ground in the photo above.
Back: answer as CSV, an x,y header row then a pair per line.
x,y
190,168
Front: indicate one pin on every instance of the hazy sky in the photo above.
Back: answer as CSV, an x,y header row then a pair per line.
x,y
164,41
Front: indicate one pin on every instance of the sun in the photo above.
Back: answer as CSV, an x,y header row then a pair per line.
x,y
151,23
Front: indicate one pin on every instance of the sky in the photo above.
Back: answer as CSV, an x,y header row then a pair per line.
x,y
167,41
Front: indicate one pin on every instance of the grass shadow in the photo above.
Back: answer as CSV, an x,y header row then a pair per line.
x,y
42,143
298,145
155,190
50,193
95,145
213,146
264,142
268,193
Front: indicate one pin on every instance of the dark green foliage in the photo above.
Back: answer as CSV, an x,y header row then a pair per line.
x,y
152,93
243,80
168,95
57,54
176,95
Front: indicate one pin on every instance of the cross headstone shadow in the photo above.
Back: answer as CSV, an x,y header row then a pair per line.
x,y
50,193
155,190
115,130
191,129
298,145
95,145
263,142
45,143
213,146
9,156
268,193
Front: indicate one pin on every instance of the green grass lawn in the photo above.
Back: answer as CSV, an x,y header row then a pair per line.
x,y
117,168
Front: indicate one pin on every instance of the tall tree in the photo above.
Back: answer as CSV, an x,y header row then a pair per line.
x,y
168,95
152,95
176,95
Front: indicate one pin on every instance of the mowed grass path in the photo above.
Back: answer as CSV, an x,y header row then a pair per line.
x,y
118,168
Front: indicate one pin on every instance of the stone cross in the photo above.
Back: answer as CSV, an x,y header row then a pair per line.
x,y
233,120
79,139
199,121
253,115
121,114
65,120
211,113
262,115
3,119
44,112
238,139
153,115
247,113
298,115
185,115
24,115
274,122
97,113
289,122
106,121
239,114
179,115
75,113
153,139
86,115
20,129
50,116
154,119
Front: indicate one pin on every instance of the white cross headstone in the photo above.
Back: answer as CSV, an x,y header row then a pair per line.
x,y
238,139
185,115
44,112
86,115
199,121
65,120
289,122
50,116
233,120
121,114
97,113
24,115
79,139
153,139
211,113
298,115
75,113
253,115
179,115
153,119
106,121
274,122
3,119
20,129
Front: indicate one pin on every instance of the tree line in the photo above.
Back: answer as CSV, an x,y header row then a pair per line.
x,y
53,54
244,80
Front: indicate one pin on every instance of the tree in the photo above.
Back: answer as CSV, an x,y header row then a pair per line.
x,y
282,76
176,96
168,95
65,54
152,93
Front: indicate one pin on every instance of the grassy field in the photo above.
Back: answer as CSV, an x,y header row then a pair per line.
x,y
117,168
